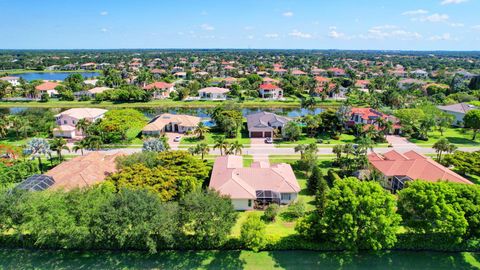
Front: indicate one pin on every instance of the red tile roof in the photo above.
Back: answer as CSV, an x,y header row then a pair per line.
x,y
47,86
413,165
158,85
322,79
268,86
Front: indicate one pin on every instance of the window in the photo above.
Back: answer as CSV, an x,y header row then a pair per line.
x,y
286,197
64,122
249,203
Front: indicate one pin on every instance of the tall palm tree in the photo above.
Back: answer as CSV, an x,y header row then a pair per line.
x,y
348,149
300,148
442,145
221,144
80,145
82,125
236,148
202,149
58,145
338,150
94,142
201,130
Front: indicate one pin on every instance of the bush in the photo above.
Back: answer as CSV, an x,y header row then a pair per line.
x,y
297,209
271,212
252,233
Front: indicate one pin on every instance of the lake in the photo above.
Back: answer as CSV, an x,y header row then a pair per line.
x,y
200,112
53,76
30,259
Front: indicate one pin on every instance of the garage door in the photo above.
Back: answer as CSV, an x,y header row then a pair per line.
x,y
256,134
268,134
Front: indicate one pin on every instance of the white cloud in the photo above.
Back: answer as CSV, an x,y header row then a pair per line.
x,y
248,28
288,14
457,25
476,27
445,36
298,34
435,18
207,27
104,13
272,35
415,12
104,29
250,37
390,31
448,2
332,27
336,35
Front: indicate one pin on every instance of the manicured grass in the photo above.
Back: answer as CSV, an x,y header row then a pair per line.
x,y
326,140
278,228
247,160
211,136
457,136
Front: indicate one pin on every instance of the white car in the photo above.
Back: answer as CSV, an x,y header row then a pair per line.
x,y
177,139
268,140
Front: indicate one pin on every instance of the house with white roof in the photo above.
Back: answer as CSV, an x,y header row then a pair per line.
x,y
458,111
68,120
14,81
256,186
213,93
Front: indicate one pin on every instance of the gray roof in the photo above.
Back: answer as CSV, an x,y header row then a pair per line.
x,y
262,120
458,108
37,182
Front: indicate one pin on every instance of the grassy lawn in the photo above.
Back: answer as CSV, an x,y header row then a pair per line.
x,y
247,160
457,136
326,140
278,228
211,136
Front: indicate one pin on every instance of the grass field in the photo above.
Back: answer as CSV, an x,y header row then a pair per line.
x,y
211,136
457,136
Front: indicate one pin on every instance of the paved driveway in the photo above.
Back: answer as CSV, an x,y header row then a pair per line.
x,y
171,136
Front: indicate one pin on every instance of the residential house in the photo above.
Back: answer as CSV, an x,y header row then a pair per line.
x,y
48,88
14,81
213,93
258,185
160,89
265,124
458,111
419,73
79,172
229,81
396,169
180,75
362,85
68,120
337,72
408,83
270,91
298,73
97,90
91,82
88,66
171,123
369,116
268,80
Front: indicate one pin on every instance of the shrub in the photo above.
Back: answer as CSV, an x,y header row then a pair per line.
x,y
271,212
297,209
252,233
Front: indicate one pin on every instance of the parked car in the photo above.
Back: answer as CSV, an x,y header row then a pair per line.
x,y
177,139
268,140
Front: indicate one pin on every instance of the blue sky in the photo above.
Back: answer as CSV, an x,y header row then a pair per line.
x,y
278,24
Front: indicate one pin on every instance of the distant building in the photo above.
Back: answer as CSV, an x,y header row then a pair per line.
x,y
160,89
48,88
14,81
68,120
396,169
419,73
259,185
369,116
270,91
458,110
264,124
213,93
171,123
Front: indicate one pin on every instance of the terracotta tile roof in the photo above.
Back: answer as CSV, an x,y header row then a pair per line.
x,y
159,122
367,113
47,86
413,165
229,177
320,79
267,86
298,72
83,171
158,85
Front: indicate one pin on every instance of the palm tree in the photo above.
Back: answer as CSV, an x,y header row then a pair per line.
x,y
236,148
94,142
200,130
80,145
300,148
348,149
338,150
221,144
442,145
57,145
37,147
82,125
202,149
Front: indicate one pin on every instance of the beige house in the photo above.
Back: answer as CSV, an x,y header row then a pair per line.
x,y
258,185
213,93
160,90
79,172
171,123
67,121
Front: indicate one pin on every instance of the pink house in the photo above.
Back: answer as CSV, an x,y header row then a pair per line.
x,y
68,120
260,184
270,91
160,89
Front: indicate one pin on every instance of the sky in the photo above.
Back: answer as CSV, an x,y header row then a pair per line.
x,y
256,24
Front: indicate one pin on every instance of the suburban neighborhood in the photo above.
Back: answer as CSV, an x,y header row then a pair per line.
x,y
240,135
